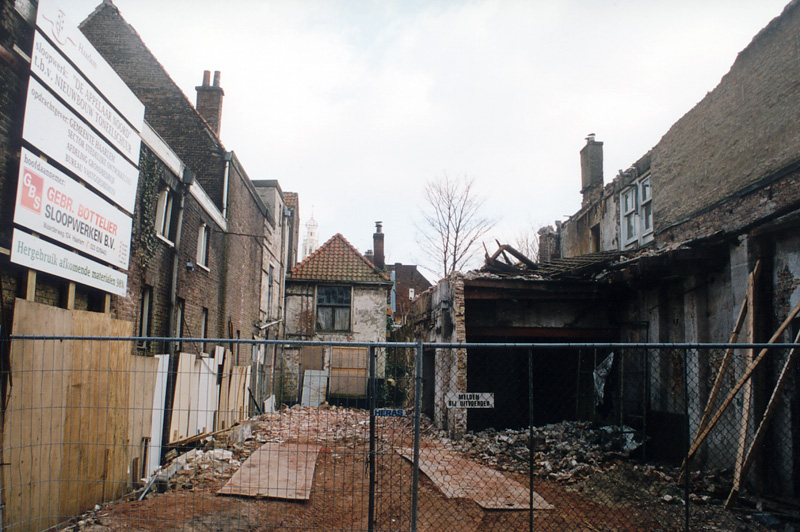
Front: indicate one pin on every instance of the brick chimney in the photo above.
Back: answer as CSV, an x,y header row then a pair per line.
x,y
591,169
209,101
377,247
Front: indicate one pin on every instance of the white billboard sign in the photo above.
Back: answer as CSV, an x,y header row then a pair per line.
x,y
69,39
35,253
470,400
59,133
53,204
55,71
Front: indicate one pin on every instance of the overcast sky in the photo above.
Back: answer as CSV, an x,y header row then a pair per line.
x,y
355,104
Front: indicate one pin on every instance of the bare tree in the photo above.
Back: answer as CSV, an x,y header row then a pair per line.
x,y
526,240
452,223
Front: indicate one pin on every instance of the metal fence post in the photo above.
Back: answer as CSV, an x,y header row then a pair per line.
x,y
530,438
688,429
372,393
417,414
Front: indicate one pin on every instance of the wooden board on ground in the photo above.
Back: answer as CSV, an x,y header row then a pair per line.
x,y
459,477
276,470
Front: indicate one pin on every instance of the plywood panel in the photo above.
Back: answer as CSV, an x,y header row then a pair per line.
x,y
207,396
34,423
194,397
143,380
276,470
223,415
240,378
179,426
159,400
349,367
459,477
100,391
312,357
67,430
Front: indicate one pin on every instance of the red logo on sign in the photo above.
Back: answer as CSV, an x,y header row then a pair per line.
x,y
32,185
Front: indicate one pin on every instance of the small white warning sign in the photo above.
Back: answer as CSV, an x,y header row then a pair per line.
x,y
470,400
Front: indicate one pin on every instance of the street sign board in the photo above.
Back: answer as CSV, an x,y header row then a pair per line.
x,y
470,400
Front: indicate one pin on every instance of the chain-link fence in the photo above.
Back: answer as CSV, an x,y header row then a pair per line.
x,y
101,434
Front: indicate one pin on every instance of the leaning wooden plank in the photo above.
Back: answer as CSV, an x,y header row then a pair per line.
x,y
458,477
741,473
194,397
179,426
222,404
747,394
143,378
747,374
157,426
276,470
207,396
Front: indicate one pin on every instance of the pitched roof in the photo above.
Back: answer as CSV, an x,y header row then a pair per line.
x,y
337,260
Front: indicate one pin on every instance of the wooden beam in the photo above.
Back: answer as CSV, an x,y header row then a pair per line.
x,y
30,287
747,374
741,472
107,304
747,394
71,296
541,332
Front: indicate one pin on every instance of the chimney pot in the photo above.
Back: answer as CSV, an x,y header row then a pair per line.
x,y
209,101
591,168
377,245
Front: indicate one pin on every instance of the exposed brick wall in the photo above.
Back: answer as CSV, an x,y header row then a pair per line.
x,y
243,254
740,133
230,288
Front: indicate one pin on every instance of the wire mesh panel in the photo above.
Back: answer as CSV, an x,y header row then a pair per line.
x,y
107,434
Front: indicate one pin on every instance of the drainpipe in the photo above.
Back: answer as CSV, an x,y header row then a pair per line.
x,y
187,181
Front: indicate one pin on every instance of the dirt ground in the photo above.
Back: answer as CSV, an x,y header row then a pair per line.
x,y
622,497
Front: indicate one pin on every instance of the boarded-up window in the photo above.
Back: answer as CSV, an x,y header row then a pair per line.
x,y
349,371
333,308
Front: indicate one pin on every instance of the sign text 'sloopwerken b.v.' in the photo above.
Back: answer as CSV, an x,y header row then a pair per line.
x,y
51,203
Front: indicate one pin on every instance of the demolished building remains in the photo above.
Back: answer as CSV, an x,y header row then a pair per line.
x,y
700,231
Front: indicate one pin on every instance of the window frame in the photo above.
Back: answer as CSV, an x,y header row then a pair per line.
x,y
203,245
646,208
166,215
334,319
636,213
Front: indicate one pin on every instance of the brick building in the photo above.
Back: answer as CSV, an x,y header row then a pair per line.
x,y
217,296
